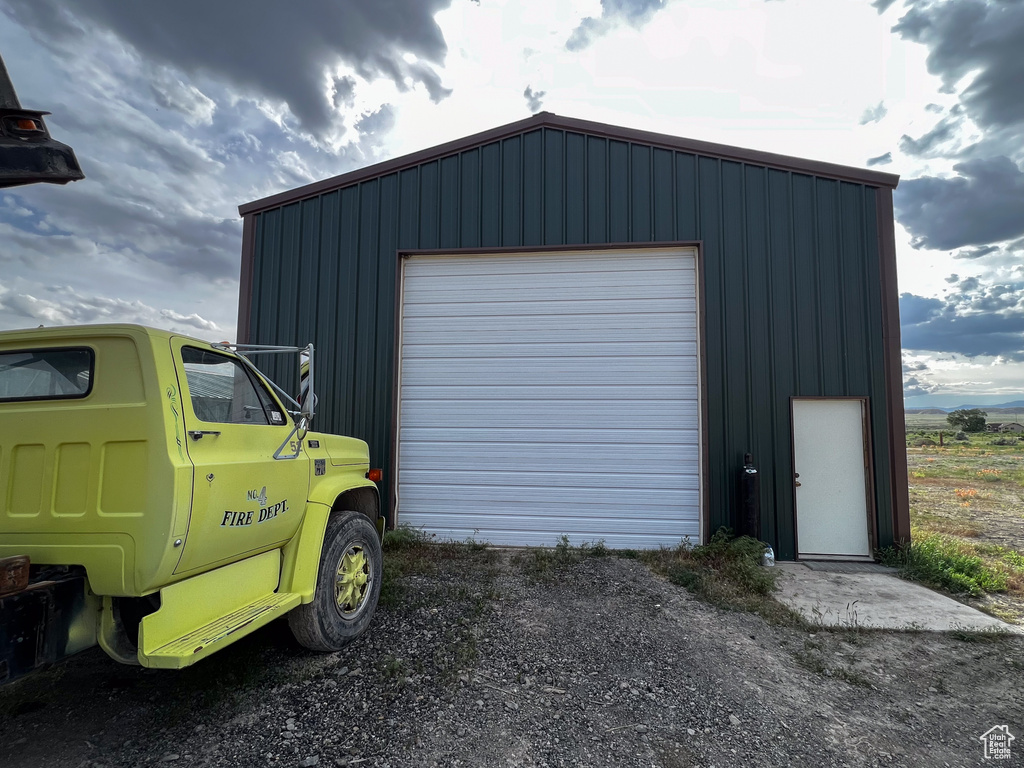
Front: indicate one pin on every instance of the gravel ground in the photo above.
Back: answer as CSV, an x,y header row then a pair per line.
x,y
486,658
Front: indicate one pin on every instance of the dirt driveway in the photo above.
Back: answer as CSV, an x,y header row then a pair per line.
x,y
483,658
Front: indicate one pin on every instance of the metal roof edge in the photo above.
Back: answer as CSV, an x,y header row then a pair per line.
x,y
587,127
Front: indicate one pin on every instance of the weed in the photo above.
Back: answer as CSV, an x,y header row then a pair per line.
x,y
1014,559
987,635
726,572
813,662
408,551
403,537
946,564
542,563
393,668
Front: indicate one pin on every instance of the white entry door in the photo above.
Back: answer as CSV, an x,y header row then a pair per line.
x,y
830,462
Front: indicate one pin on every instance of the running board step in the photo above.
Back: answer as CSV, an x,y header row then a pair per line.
x,y
205,613
202,642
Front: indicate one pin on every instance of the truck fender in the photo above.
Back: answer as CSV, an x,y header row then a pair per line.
x,y
302,554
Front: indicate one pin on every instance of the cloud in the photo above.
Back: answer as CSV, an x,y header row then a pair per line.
x,y
154,228
376,123
882,5
977,39
77,309
914,386
915,310
171,93
874,114
263,47
977,318
980,206
880,160
976,253
344,91
636,13
936,142
534,99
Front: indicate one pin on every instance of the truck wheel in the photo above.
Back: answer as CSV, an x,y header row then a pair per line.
x,y
347,585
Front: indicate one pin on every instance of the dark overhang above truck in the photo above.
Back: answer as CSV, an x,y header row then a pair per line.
x,y
28,154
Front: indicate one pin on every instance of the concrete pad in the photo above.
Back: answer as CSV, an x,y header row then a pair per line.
x,y
878,600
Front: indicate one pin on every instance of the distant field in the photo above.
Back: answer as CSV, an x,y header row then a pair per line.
x,y
938,420
926,421
973,494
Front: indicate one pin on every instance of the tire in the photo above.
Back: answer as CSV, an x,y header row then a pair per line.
x,y
347,585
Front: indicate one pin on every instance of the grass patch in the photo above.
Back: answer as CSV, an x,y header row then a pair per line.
x,y
946,564
988,635
811,660
725,572
544,562
408,551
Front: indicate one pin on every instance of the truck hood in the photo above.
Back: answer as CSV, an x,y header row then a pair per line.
x,y
342,450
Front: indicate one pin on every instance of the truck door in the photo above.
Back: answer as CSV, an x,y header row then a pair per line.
x,y
243,499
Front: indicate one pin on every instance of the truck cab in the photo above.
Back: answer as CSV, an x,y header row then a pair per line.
x,y
161,497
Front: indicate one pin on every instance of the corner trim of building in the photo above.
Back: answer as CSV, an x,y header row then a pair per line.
x,y
893,367
245,279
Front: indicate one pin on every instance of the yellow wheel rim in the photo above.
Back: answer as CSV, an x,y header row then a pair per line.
x,y
352,581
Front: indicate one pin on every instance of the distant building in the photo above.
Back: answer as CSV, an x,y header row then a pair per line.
x,y
1012,427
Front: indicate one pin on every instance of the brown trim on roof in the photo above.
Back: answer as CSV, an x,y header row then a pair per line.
x,y
551,120
245,280
891,343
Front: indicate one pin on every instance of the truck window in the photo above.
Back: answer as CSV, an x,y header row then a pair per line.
x,y
223,392
46,374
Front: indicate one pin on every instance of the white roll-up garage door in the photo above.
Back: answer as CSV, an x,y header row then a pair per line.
x,y
550,393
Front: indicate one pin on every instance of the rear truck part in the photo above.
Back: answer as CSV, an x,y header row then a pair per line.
x,y
161,497
28,153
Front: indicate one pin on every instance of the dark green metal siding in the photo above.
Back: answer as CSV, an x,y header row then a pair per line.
x,y
790,273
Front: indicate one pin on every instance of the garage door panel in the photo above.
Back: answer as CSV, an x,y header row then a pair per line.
x,y
536,265
539,498
548,435
543,394
617,393
526,538
625,288
613,459
510,480
548,415
566,306
643,326
536,371
524,529
427,284
560,349
670,531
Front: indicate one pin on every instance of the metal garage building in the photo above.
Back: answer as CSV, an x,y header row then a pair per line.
x,y
564,327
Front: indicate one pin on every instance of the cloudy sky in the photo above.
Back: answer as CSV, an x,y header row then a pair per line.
x,y
181,111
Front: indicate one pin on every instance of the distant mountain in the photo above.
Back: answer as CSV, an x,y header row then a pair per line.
x,y
1018,404
1015,405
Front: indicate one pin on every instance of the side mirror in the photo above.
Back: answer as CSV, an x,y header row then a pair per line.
x,y
307,397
